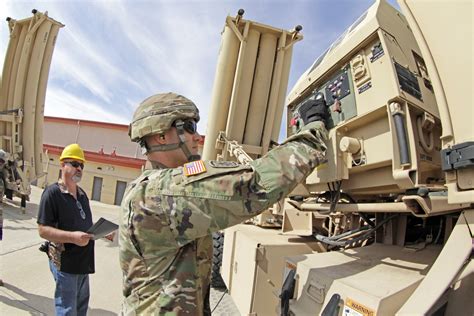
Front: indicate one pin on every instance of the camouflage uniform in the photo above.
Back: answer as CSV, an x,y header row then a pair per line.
x,y
168,217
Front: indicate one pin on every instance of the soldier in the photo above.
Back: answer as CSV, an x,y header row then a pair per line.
x,y
169,212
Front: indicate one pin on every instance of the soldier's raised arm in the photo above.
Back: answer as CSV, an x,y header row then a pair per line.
x,y
224,194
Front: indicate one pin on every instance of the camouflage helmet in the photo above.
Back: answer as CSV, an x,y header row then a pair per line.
x,y
156,114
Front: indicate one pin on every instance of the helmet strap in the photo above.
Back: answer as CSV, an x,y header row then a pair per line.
x,y
146,149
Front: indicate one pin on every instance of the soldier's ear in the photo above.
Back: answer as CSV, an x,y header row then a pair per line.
x,y
160,139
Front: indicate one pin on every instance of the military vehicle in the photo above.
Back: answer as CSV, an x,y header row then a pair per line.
x,y
386,225
22,97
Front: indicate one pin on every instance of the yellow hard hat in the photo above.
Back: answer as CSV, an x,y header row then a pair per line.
x,y
73,151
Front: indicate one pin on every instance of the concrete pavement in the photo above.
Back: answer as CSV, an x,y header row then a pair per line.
x,y
28,284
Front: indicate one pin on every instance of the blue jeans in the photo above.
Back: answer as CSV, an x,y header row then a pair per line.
x,y
71,296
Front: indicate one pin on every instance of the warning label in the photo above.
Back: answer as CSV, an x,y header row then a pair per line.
x,y
352,308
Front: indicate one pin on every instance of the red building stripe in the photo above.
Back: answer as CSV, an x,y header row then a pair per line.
x,y
116,160
105,125
69,121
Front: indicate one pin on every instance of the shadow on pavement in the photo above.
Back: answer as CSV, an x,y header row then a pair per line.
x,y
32,303
13,211
28,301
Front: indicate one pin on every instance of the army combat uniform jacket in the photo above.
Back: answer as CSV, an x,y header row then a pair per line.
x,y
168,216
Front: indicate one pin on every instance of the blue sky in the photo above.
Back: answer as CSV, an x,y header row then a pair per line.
x,y
113,54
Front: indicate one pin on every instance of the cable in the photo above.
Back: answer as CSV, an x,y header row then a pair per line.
x,y
367,235
439,231
336,196
338,241
331,240
350,232
217,304
366,219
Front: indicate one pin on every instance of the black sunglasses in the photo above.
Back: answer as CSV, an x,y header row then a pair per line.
x,y
76,164
189,126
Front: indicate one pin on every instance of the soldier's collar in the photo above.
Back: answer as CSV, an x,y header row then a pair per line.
x,y
157,165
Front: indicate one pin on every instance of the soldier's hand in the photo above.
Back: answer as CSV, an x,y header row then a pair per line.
x,y
314,110
80,238
318,129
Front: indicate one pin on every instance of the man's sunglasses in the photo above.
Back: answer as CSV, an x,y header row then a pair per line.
x,y
189,126
76,164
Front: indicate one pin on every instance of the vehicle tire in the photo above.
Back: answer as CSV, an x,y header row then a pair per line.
x,y
218,252
9,194
2,189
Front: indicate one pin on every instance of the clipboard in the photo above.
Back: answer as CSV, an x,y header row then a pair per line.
x,y
102,228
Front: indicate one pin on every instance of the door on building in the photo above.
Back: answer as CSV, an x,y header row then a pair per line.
x,y
97,188
119,191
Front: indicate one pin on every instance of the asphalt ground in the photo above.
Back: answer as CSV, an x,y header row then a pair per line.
x,y
28,285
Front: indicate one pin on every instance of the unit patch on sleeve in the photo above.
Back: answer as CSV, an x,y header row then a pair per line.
x,y
223,164
194,167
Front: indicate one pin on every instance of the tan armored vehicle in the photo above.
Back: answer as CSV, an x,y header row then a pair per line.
x,y
22,96
386,225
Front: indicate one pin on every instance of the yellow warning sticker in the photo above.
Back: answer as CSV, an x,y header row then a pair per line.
x,y
352,308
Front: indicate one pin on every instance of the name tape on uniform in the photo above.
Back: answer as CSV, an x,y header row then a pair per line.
x,y
223,164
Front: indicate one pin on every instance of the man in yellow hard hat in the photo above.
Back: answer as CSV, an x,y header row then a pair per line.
x,y
64,216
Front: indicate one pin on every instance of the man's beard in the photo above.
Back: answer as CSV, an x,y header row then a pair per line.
x,y
76,178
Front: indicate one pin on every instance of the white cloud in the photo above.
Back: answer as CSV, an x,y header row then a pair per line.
x,y
178,47
113,54
61,103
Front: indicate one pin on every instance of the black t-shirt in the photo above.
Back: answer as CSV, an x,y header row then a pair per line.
x,y
58,209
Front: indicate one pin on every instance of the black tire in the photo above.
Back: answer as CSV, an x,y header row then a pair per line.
x,y
2,188
9,194
218,252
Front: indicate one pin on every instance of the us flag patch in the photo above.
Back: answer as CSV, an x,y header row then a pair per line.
x,y
193,168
